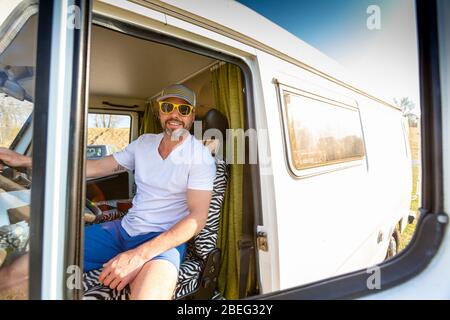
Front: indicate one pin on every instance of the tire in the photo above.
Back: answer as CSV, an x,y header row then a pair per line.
x,y
394,244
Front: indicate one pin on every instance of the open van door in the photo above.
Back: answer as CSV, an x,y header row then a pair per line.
x,y
43,62
58,144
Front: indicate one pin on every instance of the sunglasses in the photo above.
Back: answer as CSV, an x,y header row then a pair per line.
x,y
182,108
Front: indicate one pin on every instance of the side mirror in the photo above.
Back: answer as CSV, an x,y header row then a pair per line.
x,y
13,89
10,81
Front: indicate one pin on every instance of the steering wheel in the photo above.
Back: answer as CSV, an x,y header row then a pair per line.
x,y
93,207
91,212
14,179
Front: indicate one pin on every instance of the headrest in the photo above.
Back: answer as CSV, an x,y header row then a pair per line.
x,y
214,119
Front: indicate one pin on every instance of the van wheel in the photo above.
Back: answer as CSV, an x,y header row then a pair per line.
x,y
394,244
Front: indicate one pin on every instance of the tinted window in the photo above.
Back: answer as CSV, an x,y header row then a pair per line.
x,y
18,36
107,133
321,133
13,114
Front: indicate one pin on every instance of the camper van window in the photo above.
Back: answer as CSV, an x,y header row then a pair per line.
x,y
13,114
107,133
320,133
18,36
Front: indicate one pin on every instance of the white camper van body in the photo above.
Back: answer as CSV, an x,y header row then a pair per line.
x,y
326,223
319,222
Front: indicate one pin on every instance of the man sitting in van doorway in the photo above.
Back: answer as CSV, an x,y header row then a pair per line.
x,y
174,174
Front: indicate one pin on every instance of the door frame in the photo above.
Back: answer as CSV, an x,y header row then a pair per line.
x,y
57,194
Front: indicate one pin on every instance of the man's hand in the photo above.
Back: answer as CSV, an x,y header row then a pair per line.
x,y
13,159
122,269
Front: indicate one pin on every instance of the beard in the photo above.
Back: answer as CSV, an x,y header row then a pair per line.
x,y
178,133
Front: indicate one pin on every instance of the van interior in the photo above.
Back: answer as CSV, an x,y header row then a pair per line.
x,y
126,74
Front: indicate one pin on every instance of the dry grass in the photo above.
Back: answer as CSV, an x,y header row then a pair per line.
x,y
407,235
7,135
118,137
19,292
414,141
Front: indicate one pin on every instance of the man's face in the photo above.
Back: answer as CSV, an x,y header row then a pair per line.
x,y
174,120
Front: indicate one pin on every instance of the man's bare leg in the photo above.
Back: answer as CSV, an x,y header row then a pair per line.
x,y
14,279
156,281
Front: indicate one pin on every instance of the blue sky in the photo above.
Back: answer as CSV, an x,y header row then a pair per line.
x,y
386,59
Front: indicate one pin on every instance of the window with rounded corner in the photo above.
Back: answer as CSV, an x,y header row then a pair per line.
x,y
322,135
18,39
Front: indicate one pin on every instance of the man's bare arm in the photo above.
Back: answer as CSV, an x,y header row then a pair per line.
x,y
185,229
94,168
13,159
102,167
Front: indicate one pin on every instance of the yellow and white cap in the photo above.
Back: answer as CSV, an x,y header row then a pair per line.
x,y
178,91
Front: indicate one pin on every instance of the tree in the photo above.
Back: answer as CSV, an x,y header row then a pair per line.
x,y
105,120
405,104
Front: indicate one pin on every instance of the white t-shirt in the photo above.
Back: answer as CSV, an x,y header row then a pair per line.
x,y
161,198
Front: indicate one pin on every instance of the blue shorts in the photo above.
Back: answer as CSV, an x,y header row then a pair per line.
x,y
104,241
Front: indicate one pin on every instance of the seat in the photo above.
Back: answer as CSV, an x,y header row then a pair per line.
x,y
198,273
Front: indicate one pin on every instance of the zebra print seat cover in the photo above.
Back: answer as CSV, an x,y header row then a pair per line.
x,y
197,250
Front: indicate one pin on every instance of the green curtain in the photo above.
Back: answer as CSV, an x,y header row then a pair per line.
x,y
227,84
149,124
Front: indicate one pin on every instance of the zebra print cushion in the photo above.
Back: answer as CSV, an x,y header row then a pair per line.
x,y
188,279
14,239
206,240
93,290
109,210
197,250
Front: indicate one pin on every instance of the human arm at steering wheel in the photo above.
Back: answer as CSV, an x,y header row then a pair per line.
x,y
13,159
94,168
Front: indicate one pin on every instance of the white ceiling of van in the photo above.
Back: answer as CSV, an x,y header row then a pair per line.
x,y
125,66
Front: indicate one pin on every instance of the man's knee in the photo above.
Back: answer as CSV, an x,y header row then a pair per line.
x,y
156,281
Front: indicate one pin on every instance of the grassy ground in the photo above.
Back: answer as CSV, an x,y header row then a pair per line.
x,y
16,293
118,137
407,235
414,140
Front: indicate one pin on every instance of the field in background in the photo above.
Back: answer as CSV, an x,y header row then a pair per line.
x,y
118,137
7,135
414,141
